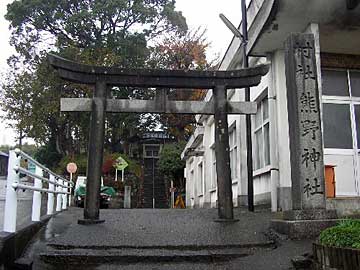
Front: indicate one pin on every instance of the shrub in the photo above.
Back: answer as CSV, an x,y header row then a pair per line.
x,y
346,234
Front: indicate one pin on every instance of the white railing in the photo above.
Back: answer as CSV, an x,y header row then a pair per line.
x,y
56,186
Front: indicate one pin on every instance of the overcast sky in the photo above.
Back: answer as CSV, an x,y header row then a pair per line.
x,y
203,13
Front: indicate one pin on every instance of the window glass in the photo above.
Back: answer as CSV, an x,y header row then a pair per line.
x,y
355,83
233,153
258,116
337,126
152,150
357,121
265,108
213,176
267,144
259,147
334,83
200,179
261,135
235,162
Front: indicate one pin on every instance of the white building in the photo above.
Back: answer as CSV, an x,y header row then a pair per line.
x,y
336,29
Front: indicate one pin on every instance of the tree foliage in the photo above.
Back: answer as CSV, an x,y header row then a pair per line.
x,y
109,25
184,52
96,32
170,163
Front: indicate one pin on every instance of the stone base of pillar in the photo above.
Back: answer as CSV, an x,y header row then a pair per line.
x,y
225,220
304,224
90,221
312,214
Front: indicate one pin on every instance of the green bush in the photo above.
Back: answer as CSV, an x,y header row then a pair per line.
x,y
346,234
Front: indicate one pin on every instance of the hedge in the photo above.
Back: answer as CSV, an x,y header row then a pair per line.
x,y
345,235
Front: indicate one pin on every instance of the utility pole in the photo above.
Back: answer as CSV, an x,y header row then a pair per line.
x,y
248,117
244,39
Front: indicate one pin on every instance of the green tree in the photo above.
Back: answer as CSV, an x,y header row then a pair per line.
x,y
96,32
111,26
170,163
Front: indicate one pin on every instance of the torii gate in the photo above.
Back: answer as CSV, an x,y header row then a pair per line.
x,y
219,106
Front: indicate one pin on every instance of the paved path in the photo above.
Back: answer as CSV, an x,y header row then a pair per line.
x,y
141,236
165,227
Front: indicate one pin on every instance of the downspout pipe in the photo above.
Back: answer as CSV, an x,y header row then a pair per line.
x,y
274,161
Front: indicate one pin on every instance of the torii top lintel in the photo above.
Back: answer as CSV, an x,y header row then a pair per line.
x,y
86,74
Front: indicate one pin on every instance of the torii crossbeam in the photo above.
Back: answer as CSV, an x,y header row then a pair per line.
x,y
219,106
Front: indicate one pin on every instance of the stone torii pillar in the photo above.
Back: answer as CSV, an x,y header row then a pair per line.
x,y
95,157
225,202
104,77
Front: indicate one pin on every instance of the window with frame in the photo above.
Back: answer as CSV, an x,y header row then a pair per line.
x,y
341,108
152,150
233,152
213,167
261,142
192,187
200,179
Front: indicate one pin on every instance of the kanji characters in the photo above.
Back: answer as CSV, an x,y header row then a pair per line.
x,y
308,103
309,127
310,156
312,188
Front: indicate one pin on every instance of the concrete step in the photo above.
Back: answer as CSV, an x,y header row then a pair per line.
x,y
140,255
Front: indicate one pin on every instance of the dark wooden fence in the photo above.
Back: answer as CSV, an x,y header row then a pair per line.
x,y
335,258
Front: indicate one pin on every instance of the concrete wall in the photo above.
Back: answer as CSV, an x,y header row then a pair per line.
x,y
345,207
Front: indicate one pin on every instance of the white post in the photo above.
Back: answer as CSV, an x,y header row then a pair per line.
x,y
69,189
116,176
122,175
36,206
51,197
11,198
64,196
58,197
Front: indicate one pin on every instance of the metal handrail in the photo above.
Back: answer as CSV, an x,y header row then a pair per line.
x,y
21,186
28,173
58,188
28,157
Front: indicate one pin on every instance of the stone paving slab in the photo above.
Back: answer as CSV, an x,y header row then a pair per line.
x,y
164,228
84,257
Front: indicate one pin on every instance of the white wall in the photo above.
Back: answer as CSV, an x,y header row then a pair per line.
x,y
239,185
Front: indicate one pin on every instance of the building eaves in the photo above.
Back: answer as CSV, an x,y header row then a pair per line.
x,y
191,148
